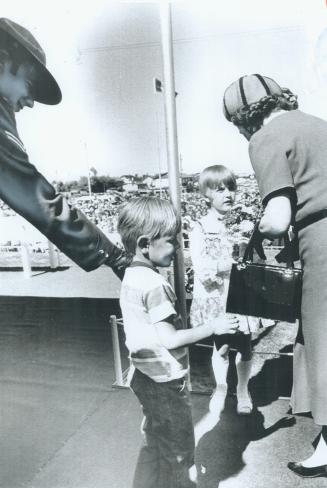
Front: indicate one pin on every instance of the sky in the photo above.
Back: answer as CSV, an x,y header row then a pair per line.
x,y
105,55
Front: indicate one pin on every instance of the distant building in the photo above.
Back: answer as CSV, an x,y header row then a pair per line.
x,y
161,181
187,178
148,181
246,175
127,179
130,187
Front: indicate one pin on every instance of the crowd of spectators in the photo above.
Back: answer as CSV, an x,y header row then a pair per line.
x,y
102,209
6,211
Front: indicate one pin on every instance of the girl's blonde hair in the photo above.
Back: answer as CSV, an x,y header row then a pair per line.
x,y
149,216
215,176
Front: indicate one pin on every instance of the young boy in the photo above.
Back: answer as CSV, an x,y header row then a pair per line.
x,y
156,340
24,79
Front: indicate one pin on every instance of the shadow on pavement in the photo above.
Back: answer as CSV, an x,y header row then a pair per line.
x,y
229,439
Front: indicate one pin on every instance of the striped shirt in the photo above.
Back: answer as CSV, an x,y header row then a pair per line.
x,y
146,298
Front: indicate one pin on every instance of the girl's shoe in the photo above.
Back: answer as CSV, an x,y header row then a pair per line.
x,y
244,405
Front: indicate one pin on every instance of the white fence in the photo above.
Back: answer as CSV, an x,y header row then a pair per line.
x,y
22,255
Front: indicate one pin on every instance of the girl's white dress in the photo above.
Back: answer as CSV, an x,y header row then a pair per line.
x,y
211,249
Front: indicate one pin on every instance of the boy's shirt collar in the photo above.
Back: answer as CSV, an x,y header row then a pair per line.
x,y
136,263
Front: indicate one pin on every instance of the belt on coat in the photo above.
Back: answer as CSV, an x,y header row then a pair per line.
x,y
310,219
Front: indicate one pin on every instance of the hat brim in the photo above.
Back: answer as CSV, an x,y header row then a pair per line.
x,y
47,90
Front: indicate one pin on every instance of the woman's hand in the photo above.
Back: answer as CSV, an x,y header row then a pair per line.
x,y
227,324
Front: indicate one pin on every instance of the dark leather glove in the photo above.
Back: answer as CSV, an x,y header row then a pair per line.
x,y
282,256
121,264
257,239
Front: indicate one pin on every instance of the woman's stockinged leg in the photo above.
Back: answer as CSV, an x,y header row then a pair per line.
x,y
319,457
324,433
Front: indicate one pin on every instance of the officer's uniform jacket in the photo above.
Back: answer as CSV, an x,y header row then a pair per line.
x,y
27,192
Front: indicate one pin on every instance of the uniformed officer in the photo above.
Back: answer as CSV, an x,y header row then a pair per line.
x,y
24,79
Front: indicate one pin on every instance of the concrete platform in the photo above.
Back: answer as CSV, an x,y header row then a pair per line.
x,y
63,425
69,282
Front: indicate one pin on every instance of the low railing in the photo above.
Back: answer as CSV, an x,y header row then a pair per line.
x,y
122,377
25,252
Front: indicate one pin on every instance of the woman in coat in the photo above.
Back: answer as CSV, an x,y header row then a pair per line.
x,y
288,152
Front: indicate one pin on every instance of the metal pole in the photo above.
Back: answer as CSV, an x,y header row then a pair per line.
x,y
172,145
159,155
88,172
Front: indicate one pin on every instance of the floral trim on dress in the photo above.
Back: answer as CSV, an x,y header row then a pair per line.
x,y
212,266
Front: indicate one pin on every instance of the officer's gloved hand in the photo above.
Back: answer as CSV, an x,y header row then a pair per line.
x,y
118,260
257,239
121,264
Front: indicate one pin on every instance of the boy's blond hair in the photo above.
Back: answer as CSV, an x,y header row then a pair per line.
x,y
215,176
149,216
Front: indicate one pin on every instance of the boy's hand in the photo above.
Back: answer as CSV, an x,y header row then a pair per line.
x,y
227,324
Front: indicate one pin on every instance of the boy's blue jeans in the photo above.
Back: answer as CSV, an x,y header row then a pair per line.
x,y
168,450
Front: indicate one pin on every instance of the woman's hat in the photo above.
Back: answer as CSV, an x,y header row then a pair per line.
x,y
47,90
247,90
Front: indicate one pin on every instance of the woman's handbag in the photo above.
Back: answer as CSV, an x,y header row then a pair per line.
x,y
264,290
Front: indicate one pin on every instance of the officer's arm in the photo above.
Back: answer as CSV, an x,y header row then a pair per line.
x,y
27,192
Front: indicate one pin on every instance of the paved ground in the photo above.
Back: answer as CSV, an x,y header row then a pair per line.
x,y
69,282
63,425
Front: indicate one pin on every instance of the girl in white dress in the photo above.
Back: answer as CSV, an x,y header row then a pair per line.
x,y
211,247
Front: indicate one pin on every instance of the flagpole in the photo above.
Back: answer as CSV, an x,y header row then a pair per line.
x,y
88,171
172,144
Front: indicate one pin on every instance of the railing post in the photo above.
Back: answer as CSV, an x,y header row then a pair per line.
x,y
116,350
58,258
52,255
26,260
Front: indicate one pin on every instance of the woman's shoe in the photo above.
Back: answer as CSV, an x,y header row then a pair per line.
x,y
244,405
304,472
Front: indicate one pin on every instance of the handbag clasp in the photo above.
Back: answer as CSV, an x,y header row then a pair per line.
x,y
288,273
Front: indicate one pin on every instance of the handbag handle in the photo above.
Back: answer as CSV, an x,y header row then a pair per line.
x,y
248,253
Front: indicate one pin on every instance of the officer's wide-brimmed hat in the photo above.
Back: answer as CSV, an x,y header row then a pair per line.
x,y
46,90
247,90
